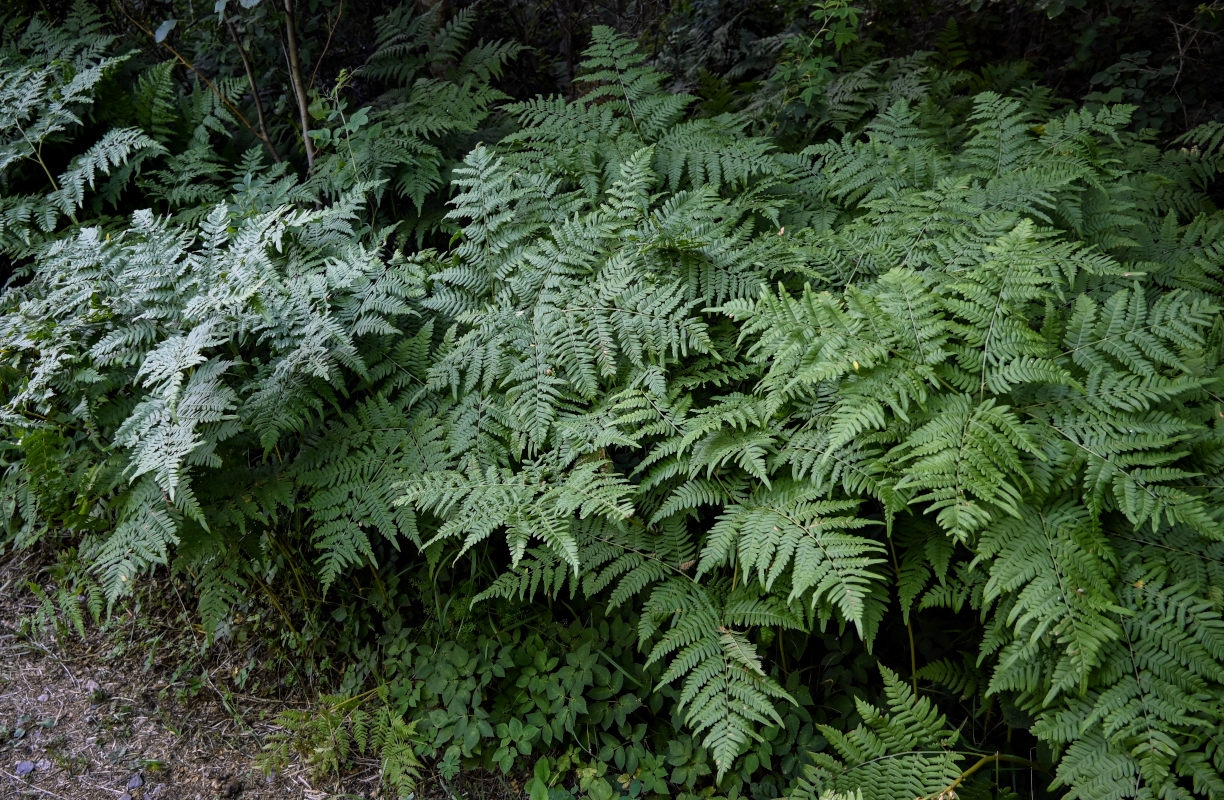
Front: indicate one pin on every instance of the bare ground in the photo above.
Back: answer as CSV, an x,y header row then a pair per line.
x,y
104,718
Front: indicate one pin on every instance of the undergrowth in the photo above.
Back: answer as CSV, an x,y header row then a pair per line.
x,y
866,442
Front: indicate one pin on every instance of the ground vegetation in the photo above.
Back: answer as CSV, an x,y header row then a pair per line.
x,y
695,399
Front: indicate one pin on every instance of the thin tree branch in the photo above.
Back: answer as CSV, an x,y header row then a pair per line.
x,y
246,123
299,86
331,30
259,112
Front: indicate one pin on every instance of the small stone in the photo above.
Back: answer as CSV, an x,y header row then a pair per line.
x,y
25,768
135,782
91,685
42,765
125,796
155,791
42,698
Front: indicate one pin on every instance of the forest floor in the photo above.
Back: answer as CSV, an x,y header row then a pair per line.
x,y
114,716
138,709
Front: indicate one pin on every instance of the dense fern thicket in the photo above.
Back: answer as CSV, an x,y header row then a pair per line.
x,y
606,440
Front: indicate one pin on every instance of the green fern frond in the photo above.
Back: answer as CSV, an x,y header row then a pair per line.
x,y
726,693
788,531
902,752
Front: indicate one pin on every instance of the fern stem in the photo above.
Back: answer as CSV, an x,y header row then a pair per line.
x,y
909,624
644,554
291,561
37,152
950,790
1162,546
349,703
382,590
909,631
275,603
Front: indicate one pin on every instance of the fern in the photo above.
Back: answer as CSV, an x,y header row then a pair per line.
x,y
352,474
905,751
1150,720
404,139
725,693
48,81
341,727
949,382
161,329
953,326
786,527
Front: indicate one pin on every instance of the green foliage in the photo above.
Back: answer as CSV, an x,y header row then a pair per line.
x,y
681,417
904,752
327,736
150,309
49,80
988,342
496,690
726,693
406,137
152,364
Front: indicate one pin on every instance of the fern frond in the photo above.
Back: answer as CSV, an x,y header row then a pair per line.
x,y
726,693
788,531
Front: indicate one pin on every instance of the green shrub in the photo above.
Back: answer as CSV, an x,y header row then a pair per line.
x,y
725,425
1013,335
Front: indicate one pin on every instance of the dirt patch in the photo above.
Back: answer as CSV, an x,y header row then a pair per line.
x,y
139,710
103,719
